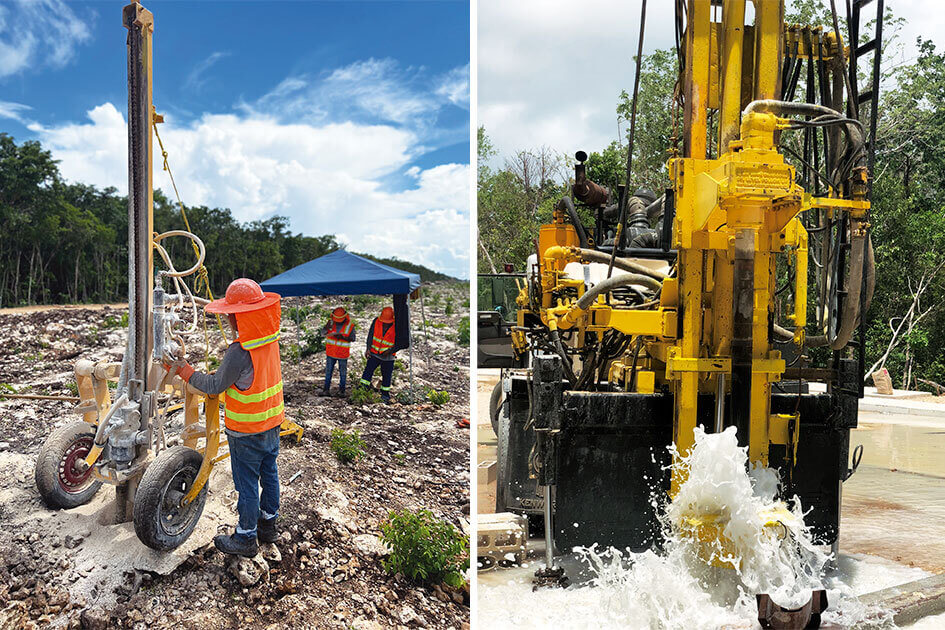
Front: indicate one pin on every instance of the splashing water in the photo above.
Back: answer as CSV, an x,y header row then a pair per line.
x,y
678,588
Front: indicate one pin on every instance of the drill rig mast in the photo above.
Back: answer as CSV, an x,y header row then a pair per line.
x,y
667,313
160,485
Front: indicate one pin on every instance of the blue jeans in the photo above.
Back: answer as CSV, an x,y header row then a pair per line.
x,y
342,371
253,462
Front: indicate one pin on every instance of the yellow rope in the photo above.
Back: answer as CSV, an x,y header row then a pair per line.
x,y
202,277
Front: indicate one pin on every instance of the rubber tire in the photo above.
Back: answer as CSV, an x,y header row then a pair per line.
x,y
47,467
150,495
495,406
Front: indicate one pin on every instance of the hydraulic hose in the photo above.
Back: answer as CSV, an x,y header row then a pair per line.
x,y
567,205
861,262
592,255
608,285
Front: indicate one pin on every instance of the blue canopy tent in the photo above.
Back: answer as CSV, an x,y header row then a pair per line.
x,y
344,273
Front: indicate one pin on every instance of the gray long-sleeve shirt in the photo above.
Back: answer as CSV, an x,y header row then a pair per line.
x,y
236,368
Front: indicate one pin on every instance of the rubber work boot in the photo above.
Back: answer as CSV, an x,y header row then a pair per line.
x,y
236,545
385,397
341,393
325,392
266,530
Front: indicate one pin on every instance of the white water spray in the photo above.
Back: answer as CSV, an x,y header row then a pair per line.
x,y
678,588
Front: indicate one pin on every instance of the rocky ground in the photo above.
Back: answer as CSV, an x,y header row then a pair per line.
x,y
67,569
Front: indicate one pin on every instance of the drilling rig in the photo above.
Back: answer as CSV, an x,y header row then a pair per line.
x,y
702,306
124,442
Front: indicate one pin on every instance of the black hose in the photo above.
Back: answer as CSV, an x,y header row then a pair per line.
x,y
567,205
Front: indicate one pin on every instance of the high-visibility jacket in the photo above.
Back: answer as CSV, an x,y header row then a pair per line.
x,y
381,342
337,345
260,407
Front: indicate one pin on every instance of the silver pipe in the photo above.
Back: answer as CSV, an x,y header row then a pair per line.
x,y
549,539
720,403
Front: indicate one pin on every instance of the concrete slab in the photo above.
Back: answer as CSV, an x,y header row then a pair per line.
x,y
911,601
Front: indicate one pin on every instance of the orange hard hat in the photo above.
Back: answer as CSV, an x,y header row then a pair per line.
x,y
243,295
387,315
339,314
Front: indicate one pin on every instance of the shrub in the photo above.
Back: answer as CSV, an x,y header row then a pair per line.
x,y
425,548
463,334
438,398
363,396
406,396
311,342
113,321
347,447
449,306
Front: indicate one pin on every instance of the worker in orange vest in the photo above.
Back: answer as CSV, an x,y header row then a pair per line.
x,y
379,351
339,335
251,377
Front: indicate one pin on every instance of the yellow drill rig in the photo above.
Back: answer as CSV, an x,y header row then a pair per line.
x,y
692,308
160,485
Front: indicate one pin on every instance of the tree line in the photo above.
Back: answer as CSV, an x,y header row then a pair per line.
x,y
63,242
906,322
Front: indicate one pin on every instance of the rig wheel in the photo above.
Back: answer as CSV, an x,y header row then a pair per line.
x,y
495,406
160,521
60,483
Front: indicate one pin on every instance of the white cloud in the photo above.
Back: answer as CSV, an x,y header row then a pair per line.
x,y
550,75
15,111
195,79
454,86
37,33
325,177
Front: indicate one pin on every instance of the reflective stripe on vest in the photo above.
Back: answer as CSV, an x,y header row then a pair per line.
x,y
256,343
338,348
384,342
260,407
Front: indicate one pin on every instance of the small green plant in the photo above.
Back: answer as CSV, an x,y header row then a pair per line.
x,y
438,398
400,458
112,384
361,395
406,397
448,310
463,332
289,351
425,548
399,365
36,356
6,387
437,324
347,447
73,388
311,342
116,321
213,363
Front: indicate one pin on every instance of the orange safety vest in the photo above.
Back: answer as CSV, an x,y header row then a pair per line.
x,y
339,348
260,407
382,342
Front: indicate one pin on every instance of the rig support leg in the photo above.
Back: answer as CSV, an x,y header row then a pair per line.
x,y
125,499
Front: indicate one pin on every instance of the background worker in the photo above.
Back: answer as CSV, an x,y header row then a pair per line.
x,y
251,376
379,351
339,335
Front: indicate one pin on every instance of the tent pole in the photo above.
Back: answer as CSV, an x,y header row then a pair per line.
x,y
410,348
423,319
298,350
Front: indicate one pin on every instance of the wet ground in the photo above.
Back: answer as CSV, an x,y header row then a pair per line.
x,y
893,510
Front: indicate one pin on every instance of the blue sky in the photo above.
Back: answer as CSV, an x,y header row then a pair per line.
x,y
349,117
